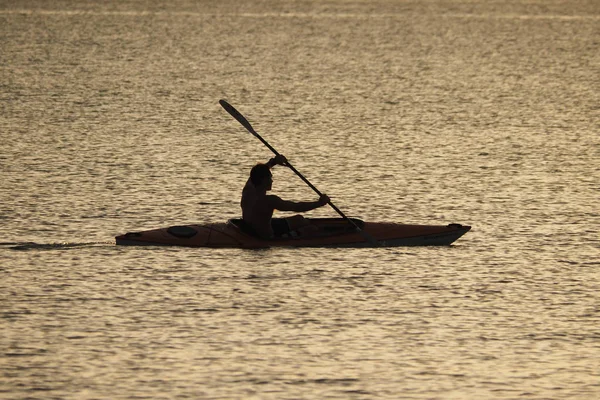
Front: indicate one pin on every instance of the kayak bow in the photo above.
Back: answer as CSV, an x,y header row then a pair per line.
x,y
332,232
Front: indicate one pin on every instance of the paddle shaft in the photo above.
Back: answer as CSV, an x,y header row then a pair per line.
x,y
242,120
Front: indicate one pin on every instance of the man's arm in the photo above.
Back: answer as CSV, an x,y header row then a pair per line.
x,y
297,206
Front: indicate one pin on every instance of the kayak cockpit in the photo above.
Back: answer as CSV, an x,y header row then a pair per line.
x,y
326,226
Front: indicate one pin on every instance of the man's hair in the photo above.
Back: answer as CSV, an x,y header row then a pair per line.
x,y
258,173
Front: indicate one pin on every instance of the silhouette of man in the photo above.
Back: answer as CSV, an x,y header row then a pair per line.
x,y
258,206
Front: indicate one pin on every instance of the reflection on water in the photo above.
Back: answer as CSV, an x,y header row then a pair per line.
x,y
477,113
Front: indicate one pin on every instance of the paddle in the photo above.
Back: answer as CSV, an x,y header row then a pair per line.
x,y
242,120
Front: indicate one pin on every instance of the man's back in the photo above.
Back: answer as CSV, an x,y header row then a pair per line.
x,y
257,210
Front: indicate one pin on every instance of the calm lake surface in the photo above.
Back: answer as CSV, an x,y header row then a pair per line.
x,y
475,112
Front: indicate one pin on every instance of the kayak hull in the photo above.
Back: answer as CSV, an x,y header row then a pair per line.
x,y
332,232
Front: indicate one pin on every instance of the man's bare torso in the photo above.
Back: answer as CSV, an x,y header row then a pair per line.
x,y
257,210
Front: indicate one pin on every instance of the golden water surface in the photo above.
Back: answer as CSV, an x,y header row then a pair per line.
x,y
475,112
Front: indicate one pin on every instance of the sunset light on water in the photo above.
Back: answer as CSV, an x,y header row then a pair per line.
x,y
430,113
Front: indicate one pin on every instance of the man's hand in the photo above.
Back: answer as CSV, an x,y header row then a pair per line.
x,y
277,160
324,199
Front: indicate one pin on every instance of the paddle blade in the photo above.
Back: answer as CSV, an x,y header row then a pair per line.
x,y
236,114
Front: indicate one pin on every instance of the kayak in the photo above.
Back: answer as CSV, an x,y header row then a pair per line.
x,y
331,232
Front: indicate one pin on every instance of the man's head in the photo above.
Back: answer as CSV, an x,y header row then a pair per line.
x,y
260,176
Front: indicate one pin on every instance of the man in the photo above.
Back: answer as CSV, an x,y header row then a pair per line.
x,y
258,207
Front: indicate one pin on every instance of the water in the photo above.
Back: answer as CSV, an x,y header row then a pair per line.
x,y
479,113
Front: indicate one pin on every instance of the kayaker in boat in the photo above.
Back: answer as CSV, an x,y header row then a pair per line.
x,y
258,206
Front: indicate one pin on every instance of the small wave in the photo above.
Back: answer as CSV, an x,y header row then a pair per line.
x,y
51,246
288,14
